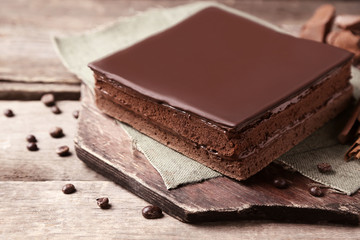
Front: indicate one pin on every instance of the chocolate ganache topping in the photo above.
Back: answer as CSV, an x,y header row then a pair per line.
x,y
221,66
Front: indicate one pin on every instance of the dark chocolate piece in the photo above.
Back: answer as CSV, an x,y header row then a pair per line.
x,y
354,151
319,25
348,131
221,66
231,99
346,40
348,22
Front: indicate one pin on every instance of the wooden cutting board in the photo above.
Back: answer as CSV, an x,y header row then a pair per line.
x,y
106,148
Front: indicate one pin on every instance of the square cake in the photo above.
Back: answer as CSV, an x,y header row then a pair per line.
x,y
225,91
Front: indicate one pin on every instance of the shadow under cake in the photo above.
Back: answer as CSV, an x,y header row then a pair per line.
x,y
223,90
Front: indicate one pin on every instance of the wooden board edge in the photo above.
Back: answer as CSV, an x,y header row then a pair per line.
x,y
274,213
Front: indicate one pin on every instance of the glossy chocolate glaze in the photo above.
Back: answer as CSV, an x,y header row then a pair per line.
x,y
221,66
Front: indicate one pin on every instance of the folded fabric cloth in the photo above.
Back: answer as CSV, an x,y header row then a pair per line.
x,y
176,169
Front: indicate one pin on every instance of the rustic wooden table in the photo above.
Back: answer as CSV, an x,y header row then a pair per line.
x,y
32,204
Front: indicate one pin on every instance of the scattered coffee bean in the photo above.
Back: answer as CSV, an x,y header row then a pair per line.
x,y
55,110
76,114
56,132
103,203
316,191
68,188
9,113
31,138
152,212
32,146
63,151
48,99
324,167
280,183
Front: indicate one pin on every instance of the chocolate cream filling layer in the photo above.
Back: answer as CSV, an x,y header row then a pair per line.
x,y
244,167
215,137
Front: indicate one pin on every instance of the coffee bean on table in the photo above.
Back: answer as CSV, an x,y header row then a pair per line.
x,y
55,110
76,114
63,151
324,167
9,113
316,191
56,132
48,99
103,202
68,188
152,212
280,183
31,138
32,146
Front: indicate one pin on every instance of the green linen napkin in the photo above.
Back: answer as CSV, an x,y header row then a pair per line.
x,y
176,169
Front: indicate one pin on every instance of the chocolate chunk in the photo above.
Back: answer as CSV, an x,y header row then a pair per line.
x,y
324,167
319,25
349,130
68,188
103,202
346,40
32,146
348,22
280,183
56,132
31,138
354,151
55,110
63,151
76,114
9,113
152,212
316,191
48,99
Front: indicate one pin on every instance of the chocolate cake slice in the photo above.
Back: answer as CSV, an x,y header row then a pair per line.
x,y
223,90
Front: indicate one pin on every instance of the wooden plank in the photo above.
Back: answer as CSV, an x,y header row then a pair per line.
x,y
40,210
107,148
28,55
33,117
34,91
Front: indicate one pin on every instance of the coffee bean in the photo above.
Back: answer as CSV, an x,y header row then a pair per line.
x,y
103,203
280,183
56,132
55,110
63,151
76,114
48,99
316,191
68,188
9,113
31,138
324,167
32,146
152,212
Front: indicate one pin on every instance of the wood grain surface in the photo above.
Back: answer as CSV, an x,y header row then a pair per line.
x,y
27,55
107,148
